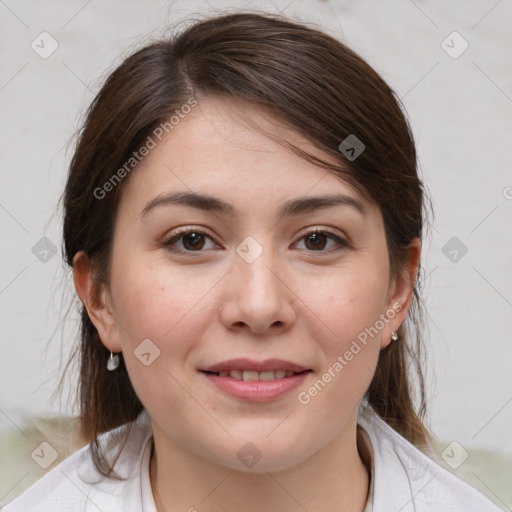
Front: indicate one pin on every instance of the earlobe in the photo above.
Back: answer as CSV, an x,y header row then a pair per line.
x,y
94,297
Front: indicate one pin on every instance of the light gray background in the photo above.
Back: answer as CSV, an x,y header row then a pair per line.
x,y
461,114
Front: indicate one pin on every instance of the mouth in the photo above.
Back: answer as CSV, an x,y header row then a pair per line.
x,y
256,381
251,370
254,376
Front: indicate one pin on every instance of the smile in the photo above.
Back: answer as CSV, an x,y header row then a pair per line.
x,y
252,386
252,376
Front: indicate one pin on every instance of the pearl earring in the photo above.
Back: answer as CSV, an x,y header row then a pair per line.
x,y
394,336
113,362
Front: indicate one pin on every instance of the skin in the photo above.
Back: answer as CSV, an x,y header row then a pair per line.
x,y
295,302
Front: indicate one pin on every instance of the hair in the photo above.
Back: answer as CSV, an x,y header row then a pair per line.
x,y
314,84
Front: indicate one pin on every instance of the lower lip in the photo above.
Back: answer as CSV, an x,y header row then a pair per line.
x,y
257,391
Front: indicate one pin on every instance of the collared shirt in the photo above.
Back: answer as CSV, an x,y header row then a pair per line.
x,y
402,478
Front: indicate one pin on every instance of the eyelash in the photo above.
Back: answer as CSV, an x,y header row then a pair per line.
x,y
169,242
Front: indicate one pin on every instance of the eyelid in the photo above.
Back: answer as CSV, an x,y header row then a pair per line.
x,y
188,229
322,229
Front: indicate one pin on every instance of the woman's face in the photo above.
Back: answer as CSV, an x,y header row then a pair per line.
x,y
232,271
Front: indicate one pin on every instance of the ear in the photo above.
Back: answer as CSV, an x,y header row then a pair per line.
x,y
401,291
95,297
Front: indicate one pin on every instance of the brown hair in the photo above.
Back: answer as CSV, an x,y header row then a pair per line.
x,y
313,83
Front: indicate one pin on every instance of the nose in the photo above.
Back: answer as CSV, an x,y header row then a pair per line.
x,y
258,297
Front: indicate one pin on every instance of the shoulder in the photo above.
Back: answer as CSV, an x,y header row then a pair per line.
x,y
406,479
76,485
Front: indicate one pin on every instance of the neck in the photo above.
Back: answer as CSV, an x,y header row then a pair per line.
x,y
334,478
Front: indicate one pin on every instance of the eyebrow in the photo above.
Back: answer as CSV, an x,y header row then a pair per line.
x,y
292,207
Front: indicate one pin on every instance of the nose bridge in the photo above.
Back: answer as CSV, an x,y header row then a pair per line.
x,y
253,264
258,277
259,298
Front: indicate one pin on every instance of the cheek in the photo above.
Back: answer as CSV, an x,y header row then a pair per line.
x,y
158,302
348,307
348,303
159,313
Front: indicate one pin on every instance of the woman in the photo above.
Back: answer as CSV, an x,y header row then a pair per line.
x,y
243,217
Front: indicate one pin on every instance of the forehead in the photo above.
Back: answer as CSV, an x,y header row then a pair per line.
x,y
218,148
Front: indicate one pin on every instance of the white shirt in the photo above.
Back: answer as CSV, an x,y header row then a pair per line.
x,y
403,478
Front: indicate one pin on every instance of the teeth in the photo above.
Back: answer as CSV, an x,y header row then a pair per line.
x,y
235,374
251,376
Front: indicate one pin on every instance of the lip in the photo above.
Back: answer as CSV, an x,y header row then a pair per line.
x,y
256,391
269,365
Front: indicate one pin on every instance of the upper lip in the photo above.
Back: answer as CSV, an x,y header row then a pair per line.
x,y
268,365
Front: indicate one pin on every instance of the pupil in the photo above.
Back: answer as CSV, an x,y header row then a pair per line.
x,y
195,239
318,240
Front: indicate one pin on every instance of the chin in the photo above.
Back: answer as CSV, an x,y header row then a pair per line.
x,y
259,456
264,465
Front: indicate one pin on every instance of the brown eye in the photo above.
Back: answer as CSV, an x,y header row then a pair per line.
x,y
193,241
316,241
190,241
322,241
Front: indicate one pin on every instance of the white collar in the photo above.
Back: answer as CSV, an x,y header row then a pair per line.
x,y
148,500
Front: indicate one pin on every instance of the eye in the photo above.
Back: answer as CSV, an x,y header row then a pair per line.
x,y
195,240
191,240
318,240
